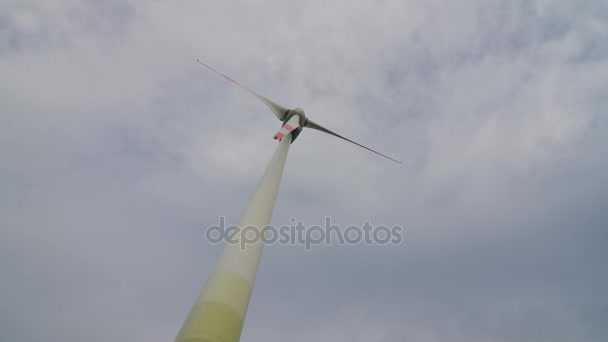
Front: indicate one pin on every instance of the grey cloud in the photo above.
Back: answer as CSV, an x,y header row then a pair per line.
x,y
118,150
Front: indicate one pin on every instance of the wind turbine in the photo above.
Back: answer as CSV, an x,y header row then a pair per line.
x,y
219,312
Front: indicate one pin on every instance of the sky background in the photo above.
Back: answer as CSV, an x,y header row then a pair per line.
x,y
117,150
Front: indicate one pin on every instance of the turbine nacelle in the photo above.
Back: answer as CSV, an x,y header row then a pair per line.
x,y
291,125
294,120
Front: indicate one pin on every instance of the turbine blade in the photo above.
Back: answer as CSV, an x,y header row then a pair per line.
x,y
313,125
277,109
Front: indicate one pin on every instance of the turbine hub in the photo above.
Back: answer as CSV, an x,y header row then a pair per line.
x,y
299,112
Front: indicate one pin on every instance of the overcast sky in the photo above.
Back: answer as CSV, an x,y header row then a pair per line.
x,y
117,150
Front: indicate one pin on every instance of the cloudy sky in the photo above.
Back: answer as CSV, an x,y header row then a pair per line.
x,y
118,150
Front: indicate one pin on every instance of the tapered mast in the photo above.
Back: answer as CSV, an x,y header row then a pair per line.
x,y
219,312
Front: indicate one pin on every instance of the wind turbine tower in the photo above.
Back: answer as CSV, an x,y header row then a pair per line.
x,y
219,312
